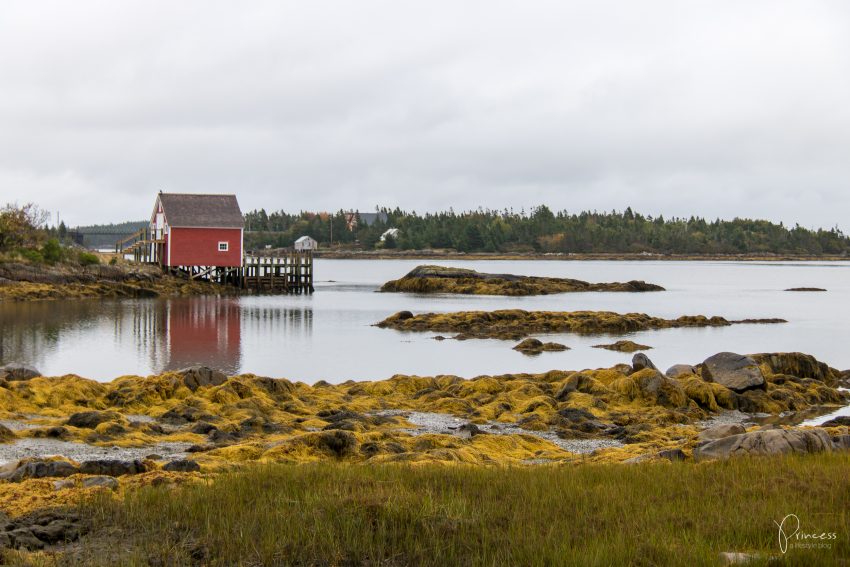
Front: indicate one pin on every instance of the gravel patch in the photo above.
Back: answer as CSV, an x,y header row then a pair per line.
x,y
428,422
28,447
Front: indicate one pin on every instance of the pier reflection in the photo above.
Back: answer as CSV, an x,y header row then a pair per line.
x,y
145,336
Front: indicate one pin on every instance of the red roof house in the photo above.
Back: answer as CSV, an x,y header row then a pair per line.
x,y
198,230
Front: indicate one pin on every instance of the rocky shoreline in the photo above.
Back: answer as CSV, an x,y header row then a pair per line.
x,y
66,437
27,282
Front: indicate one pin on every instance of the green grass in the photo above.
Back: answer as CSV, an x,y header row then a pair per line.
x,y
332,514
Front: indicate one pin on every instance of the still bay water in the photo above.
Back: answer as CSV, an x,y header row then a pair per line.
x,y
329,335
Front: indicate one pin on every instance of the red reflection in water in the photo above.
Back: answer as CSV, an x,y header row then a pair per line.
x,y
203,331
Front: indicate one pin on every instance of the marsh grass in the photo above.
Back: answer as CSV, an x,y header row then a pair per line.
x,y
333,514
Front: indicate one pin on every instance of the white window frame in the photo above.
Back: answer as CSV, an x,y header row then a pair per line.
x,y
224,246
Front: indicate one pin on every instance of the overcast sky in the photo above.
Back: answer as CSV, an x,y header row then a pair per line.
x,y
715,108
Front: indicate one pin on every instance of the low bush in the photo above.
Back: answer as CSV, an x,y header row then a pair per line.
x,y
87,259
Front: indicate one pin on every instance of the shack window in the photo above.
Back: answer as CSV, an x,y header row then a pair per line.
x,y
223,246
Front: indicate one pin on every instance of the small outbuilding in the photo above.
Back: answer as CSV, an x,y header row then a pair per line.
x,y
197,230
306,243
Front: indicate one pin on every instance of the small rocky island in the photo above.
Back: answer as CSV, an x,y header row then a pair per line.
x,y
515,324
439,279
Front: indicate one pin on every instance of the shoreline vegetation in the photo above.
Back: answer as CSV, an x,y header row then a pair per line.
x,y
514,324
439,279
341,253
356,443
542,231
21,281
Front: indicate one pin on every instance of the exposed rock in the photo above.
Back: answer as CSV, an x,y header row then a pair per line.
x,y
39,469
6,434
113,467
624,346
182,465
737,372
766,442
100,482
841,442
841,420
679,370
23,538
805,289
183,414
13,372
641,361
196,377
721,431
91,419
536,346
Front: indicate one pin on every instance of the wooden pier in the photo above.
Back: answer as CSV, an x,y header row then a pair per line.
x,y
288,272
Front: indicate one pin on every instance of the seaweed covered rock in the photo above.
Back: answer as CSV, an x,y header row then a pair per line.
x,y
91,419
196,377
517,323
536,346
38,468
14,372
113,467
182,465
796,364
6,434
440,279
624,346
766,442
737,372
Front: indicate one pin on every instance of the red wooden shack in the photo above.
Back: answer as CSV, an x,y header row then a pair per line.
x,y
198,230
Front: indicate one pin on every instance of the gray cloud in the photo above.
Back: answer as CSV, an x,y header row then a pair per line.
x,y
715,108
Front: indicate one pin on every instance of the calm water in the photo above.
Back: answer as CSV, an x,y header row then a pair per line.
x,y
328,336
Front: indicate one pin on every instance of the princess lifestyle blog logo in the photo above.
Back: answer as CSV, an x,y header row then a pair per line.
x,y
791,537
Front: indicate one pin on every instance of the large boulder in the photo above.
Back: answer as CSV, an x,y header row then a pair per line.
x,y
766,442
737,372
196,377
14,372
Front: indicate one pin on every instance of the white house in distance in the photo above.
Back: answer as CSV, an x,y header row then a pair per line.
x,y
306,243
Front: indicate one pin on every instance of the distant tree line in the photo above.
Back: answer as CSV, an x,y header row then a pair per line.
x,y
542,230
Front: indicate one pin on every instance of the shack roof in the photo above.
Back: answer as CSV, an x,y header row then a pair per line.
x,y
191,210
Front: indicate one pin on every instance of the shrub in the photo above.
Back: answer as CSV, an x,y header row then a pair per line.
x,y
113,260
88,259
33,256
51,251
